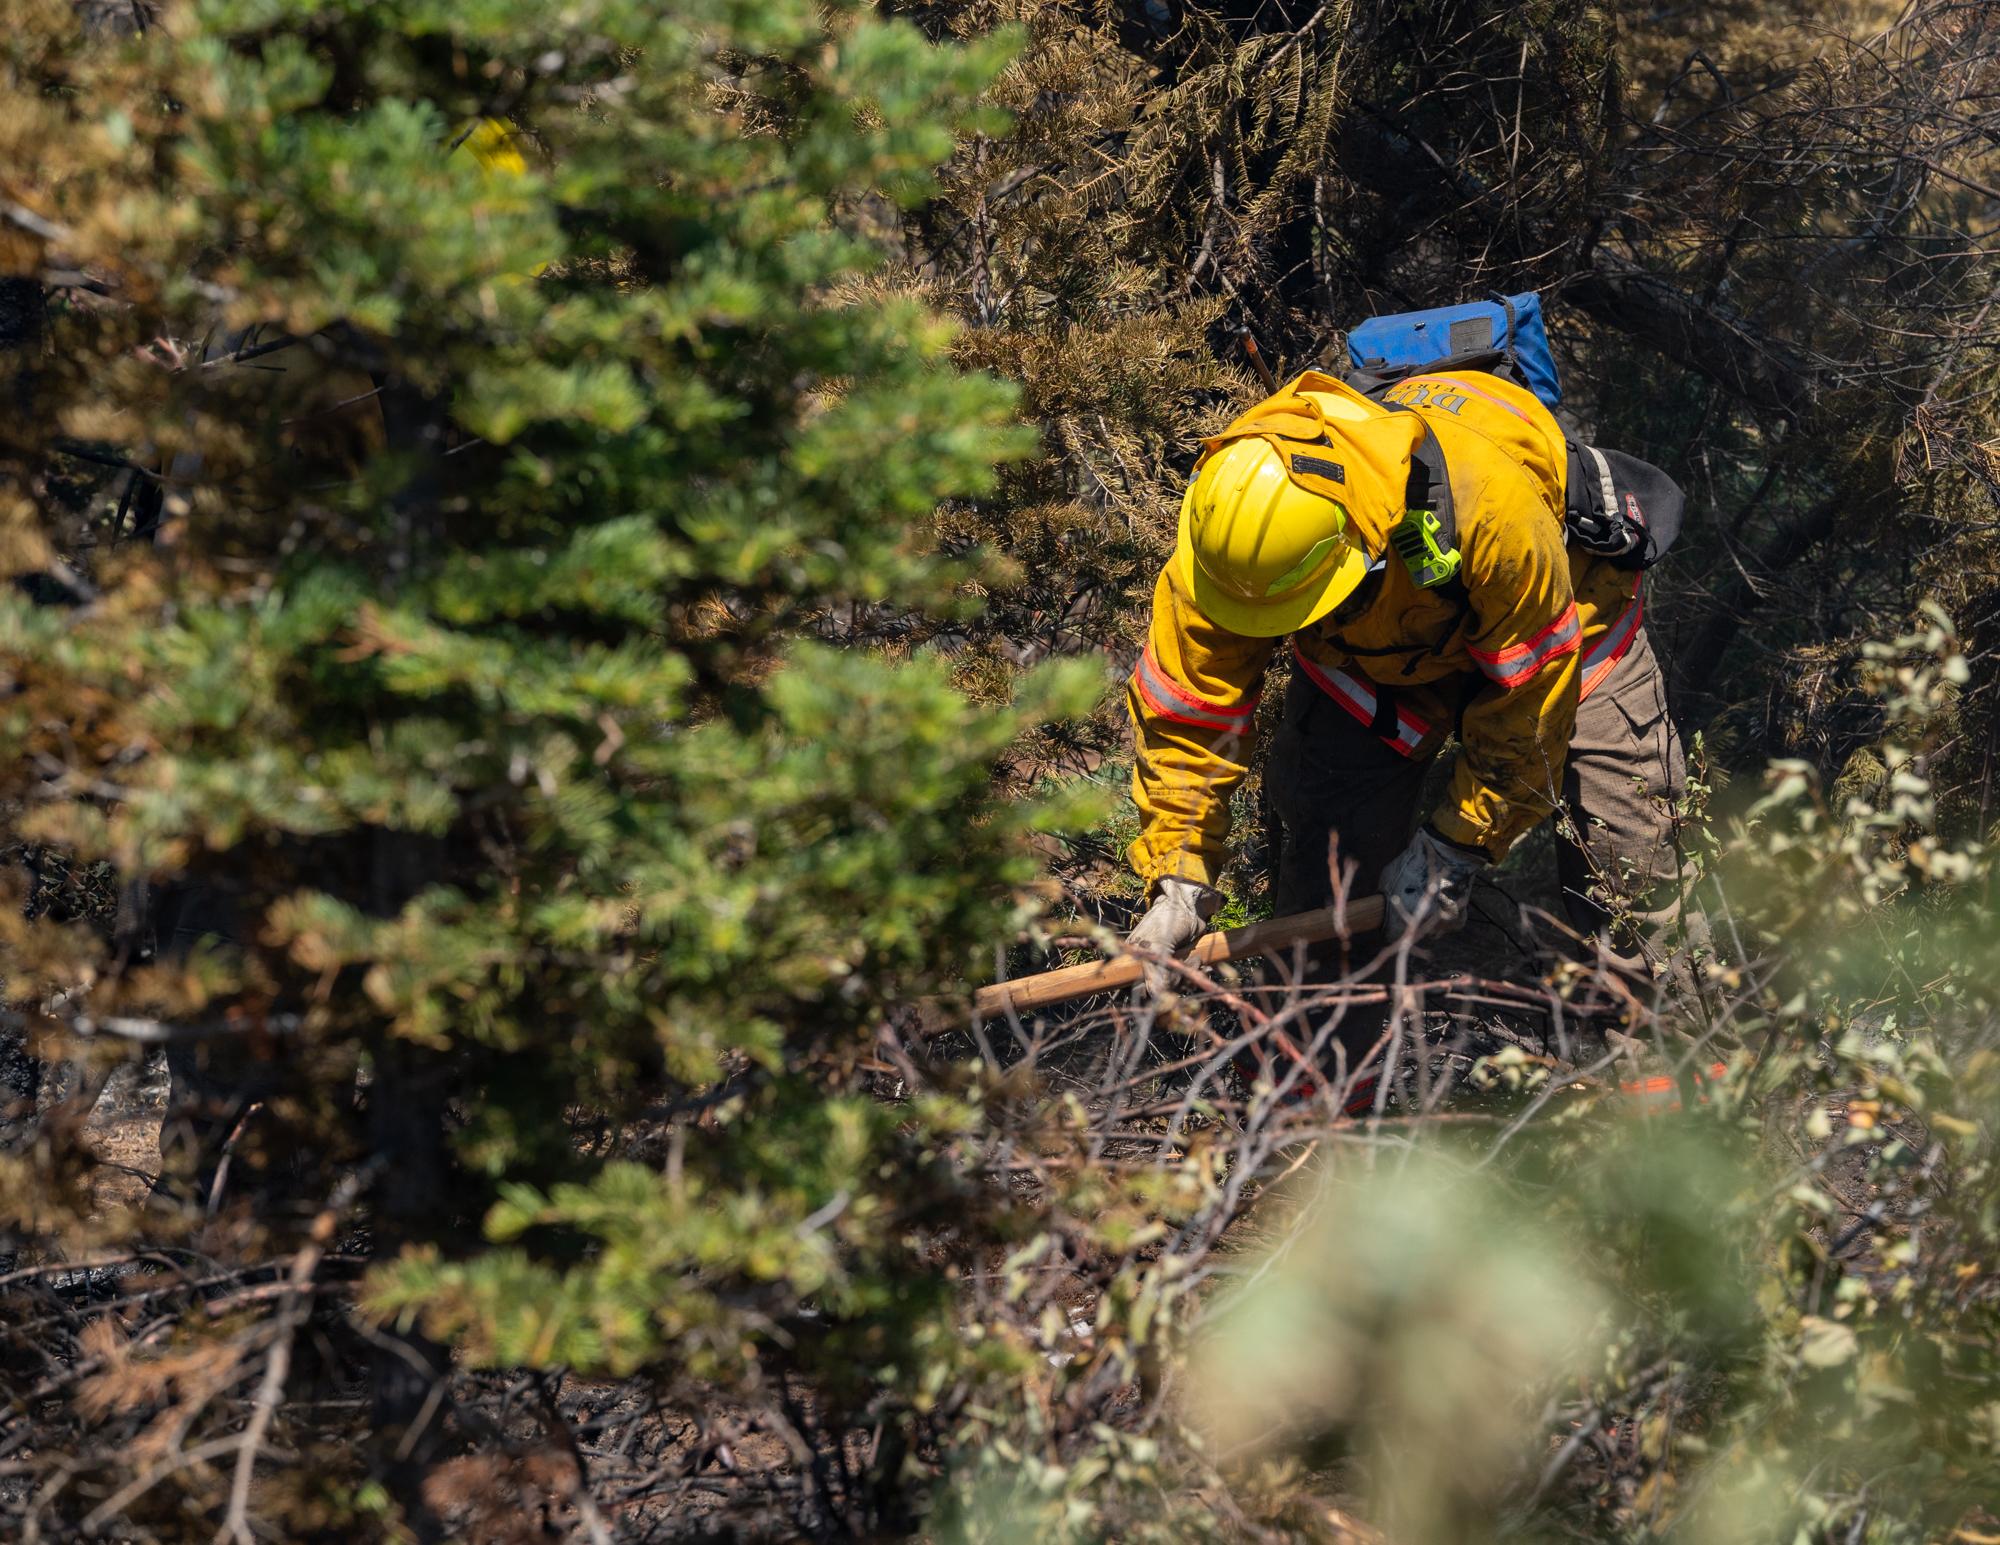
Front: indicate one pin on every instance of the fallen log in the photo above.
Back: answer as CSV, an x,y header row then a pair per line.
x,y
1273,936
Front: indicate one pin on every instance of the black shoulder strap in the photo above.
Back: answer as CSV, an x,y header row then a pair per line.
x,y
1375,378
1429,488
1513,372
1430,481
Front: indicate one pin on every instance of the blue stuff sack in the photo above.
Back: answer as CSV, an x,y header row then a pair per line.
x,y
1479,335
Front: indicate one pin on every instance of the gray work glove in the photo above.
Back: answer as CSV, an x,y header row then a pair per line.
x,y
1428,886
1178,916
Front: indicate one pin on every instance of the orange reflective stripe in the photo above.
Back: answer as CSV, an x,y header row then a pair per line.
x,y
1610,649
1663,1091
1517,662
1170,700
1358,697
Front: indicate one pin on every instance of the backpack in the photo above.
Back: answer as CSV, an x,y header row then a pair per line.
x,y
1614,506
1503,337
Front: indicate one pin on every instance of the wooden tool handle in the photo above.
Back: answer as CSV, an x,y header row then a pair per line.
x,y
1273,936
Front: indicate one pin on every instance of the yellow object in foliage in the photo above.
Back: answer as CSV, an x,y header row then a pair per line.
x,y
495,145
1503,657
499,148
326,417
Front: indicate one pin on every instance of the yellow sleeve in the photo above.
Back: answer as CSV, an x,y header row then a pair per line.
x,y
1514,733
1193,700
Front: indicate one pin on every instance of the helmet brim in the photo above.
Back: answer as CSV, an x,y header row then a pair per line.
x,y
1265,619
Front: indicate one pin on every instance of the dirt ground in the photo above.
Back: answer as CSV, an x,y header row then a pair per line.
x,y
124,1131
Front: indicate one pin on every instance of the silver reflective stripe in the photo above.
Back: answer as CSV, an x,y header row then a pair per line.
x,y
1604,488
1357,696
1616,637
1602,656
1514,665
1175,702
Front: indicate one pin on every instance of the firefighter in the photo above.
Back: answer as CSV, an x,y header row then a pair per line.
x,y
1314,518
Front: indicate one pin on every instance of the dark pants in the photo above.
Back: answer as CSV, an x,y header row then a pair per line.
x,y
1339,795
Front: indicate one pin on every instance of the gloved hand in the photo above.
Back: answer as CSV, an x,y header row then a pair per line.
x,y
1428,886
1178,916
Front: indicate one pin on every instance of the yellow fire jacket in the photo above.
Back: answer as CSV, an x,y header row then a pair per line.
x,y
1504,665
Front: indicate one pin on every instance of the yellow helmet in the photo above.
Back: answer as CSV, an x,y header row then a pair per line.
x,y
1261,555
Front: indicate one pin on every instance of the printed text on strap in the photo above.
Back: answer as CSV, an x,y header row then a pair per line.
x,y
1456,384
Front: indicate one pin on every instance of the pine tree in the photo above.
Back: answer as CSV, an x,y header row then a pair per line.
x,y
521,407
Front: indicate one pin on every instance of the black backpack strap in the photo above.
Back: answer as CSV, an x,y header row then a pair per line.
x,y
1374,378
1513,373
1430,487
1427,498
1382,724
